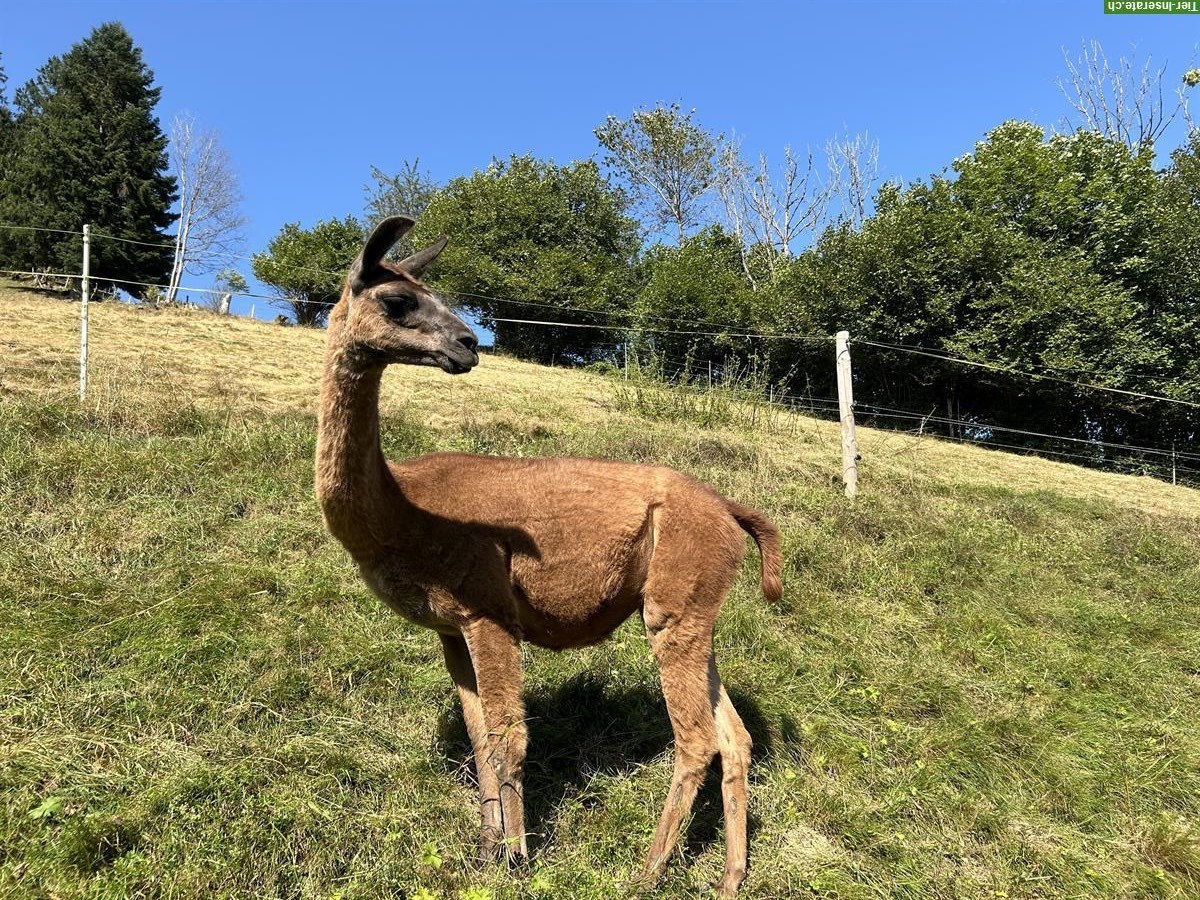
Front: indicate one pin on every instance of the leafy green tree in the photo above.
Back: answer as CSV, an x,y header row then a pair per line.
x,y
307,267
701,280
666,160
1173,293
528,230
231,280
87,148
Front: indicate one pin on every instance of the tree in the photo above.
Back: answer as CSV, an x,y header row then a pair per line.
x,y
1041,255
769,209
854,173
6,117
227,284
665,159
1122,102
1173,291
701,280
766,212
307,268
87,148
210,224
530,231
406,193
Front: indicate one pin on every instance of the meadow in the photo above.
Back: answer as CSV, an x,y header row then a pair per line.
x,y
982,680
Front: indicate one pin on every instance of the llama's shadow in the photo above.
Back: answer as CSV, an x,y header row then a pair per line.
x,y
587,726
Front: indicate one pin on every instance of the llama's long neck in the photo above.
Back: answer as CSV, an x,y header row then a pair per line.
x,y
357,493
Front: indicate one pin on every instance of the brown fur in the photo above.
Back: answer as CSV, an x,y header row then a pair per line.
x,y
491,551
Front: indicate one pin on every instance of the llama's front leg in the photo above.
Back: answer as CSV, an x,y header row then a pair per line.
x,y
496,657
458,661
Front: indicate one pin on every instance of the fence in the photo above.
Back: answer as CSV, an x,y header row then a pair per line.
x,y
1160,462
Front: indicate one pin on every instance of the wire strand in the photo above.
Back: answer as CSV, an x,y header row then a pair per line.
x,y
36,228
1011,371
794,337
887,413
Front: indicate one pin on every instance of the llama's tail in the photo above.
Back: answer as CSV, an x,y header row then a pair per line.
x,y
766,535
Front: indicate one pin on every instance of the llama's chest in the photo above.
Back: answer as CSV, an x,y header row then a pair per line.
x,y
421,605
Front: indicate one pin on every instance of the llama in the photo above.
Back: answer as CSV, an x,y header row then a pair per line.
x,y
489,551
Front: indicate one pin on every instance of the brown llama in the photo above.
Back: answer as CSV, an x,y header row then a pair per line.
x,y
489,551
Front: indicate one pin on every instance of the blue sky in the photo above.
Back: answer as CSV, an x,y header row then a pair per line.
x,y
308,96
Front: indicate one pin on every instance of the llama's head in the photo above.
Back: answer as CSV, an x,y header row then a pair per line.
x,y
389,316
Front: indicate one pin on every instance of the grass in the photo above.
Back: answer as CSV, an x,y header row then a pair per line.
x,y
981,681
742,399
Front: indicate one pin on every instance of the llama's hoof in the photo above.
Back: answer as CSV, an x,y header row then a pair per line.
x,y
646,879
517,860
635,886
490,848
728,886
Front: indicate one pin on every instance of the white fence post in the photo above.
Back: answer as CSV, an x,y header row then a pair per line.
x,y
83,310
845,387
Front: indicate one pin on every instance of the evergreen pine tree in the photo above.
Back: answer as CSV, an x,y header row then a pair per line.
x,y
6,121
87,148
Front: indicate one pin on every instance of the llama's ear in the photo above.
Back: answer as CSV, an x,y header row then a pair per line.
x,y
416,264
382,239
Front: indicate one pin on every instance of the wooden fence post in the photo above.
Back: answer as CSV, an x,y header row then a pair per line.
x,y
83,310
845,387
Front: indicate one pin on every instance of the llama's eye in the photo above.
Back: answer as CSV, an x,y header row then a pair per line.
x,y
398,307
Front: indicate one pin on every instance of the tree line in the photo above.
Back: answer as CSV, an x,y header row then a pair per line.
x,y
81,143
1066,253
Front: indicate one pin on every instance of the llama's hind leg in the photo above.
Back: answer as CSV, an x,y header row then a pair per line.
x,y
458,662
682,650
734,744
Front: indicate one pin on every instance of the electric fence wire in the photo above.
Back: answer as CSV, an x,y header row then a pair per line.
x,y
996,367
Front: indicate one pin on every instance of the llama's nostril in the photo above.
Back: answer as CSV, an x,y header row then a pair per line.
x,y
470,342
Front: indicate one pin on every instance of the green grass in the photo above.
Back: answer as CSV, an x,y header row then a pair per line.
x,y
970,689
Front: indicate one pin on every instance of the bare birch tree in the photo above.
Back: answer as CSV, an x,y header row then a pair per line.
x,y
1124,102
853,173
732,177
768,208
210,221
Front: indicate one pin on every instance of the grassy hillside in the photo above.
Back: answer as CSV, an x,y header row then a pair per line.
x,y
982,680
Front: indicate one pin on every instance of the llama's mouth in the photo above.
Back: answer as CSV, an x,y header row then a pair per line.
x,y
454,367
